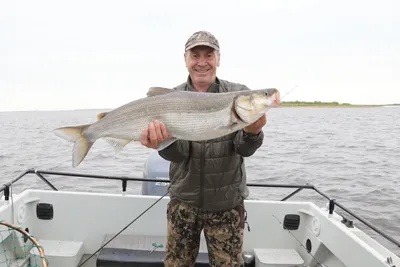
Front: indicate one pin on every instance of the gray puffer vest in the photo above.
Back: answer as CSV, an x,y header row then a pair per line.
x,y
211,174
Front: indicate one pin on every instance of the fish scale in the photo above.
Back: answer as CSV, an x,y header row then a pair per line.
x,y
181,115
187,115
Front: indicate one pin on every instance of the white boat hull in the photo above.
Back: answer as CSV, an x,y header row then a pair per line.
x,y
83,222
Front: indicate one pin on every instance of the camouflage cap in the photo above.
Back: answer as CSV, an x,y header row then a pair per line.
x,y
202,38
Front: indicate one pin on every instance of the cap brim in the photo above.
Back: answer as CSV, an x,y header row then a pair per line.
x,y
202,43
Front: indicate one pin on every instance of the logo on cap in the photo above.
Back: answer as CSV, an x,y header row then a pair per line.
x,y
202,38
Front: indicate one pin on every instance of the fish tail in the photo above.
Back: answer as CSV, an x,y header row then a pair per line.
x,y
82,144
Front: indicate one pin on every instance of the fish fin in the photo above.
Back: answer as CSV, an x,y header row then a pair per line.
x,y
101,115
166,143
81,148
153,91
81,144
116,143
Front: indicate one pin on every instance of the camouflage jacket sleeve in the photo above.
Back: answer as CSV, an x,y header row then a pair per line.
x,y
178,151
246,144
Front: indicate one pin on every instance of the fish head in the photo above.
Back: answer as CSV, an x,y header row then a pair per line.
x,y
250,105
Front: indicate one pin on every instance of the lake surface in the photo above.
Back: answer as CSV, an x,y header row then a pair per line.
x,y
351,154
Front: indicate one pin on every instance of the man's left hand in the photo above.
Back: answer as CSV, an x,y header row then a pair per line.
x,y
256,127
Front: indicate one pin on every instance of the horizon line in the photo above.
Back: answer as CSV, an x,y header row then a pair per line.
x,y
326,103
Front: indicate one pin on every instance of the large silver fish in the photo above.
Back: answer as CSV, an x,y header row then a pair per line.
x,y
187,115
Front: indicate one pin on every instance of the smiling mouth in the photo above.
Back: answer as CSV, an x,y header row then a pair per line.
x,y
202,71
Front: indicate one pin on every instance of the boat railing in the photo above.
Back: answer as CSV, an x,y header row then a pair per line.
x,y
332,202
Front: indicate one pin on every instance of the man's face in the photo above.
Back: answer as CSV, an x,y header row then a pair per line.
x,y
202,63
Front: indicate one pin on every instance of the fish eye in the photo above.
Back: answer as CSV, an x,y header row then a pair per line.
x,y
266,93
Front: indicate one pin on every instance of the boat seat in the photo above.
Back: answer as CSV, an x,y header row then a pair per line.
x,y
120,257
60,253
268,257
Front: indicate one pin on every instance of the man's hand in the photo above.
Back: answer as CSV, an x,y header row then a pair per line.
x,y
256,127
154,134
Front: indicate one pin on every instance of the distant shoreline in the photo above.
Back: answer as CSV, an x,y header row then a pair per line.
x,y
318,104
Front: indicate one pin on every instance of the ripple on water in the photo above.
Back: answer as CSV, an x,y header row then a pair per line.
x,y
350,154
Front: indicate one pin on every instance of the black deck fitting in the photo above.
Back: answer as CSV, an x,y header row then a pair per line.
x,y
124,183
6,192
331,205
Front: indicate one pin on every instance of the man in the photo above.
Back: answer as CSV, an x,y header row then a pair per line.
x,y
208,179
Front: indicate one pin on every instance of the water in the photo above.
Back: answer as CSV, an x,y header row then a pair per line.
x,y
351,154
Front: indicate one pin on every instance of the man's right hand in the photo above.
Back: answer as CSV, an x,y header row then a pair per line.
x,y
154,134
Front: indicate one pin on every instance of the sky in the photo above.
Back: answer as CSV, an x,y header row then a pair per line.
x,y
61,55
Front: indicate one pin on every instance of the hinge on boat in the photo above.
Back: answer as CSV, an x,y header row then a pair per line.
x,y
347,222
390,262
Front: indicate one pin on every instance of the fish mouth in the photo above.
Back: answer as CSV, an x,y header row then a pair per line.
x,y
276,99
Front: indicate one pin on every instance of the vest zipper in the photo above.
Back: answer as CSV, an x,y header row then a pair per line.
x,y
202,175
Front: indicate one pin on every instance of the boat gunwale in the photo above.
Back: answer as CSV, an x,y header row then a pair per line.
x,y
124,179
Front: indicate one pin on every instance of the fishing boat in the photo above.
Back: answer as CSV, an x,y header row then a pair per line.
x,y
69,229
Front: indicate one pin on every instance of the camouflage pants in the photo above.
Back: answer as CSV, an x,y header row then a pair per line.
x,y
223,232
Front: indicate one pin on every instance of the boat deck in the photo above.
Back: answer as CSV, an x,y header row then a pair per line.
x,y
140,250
143,242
